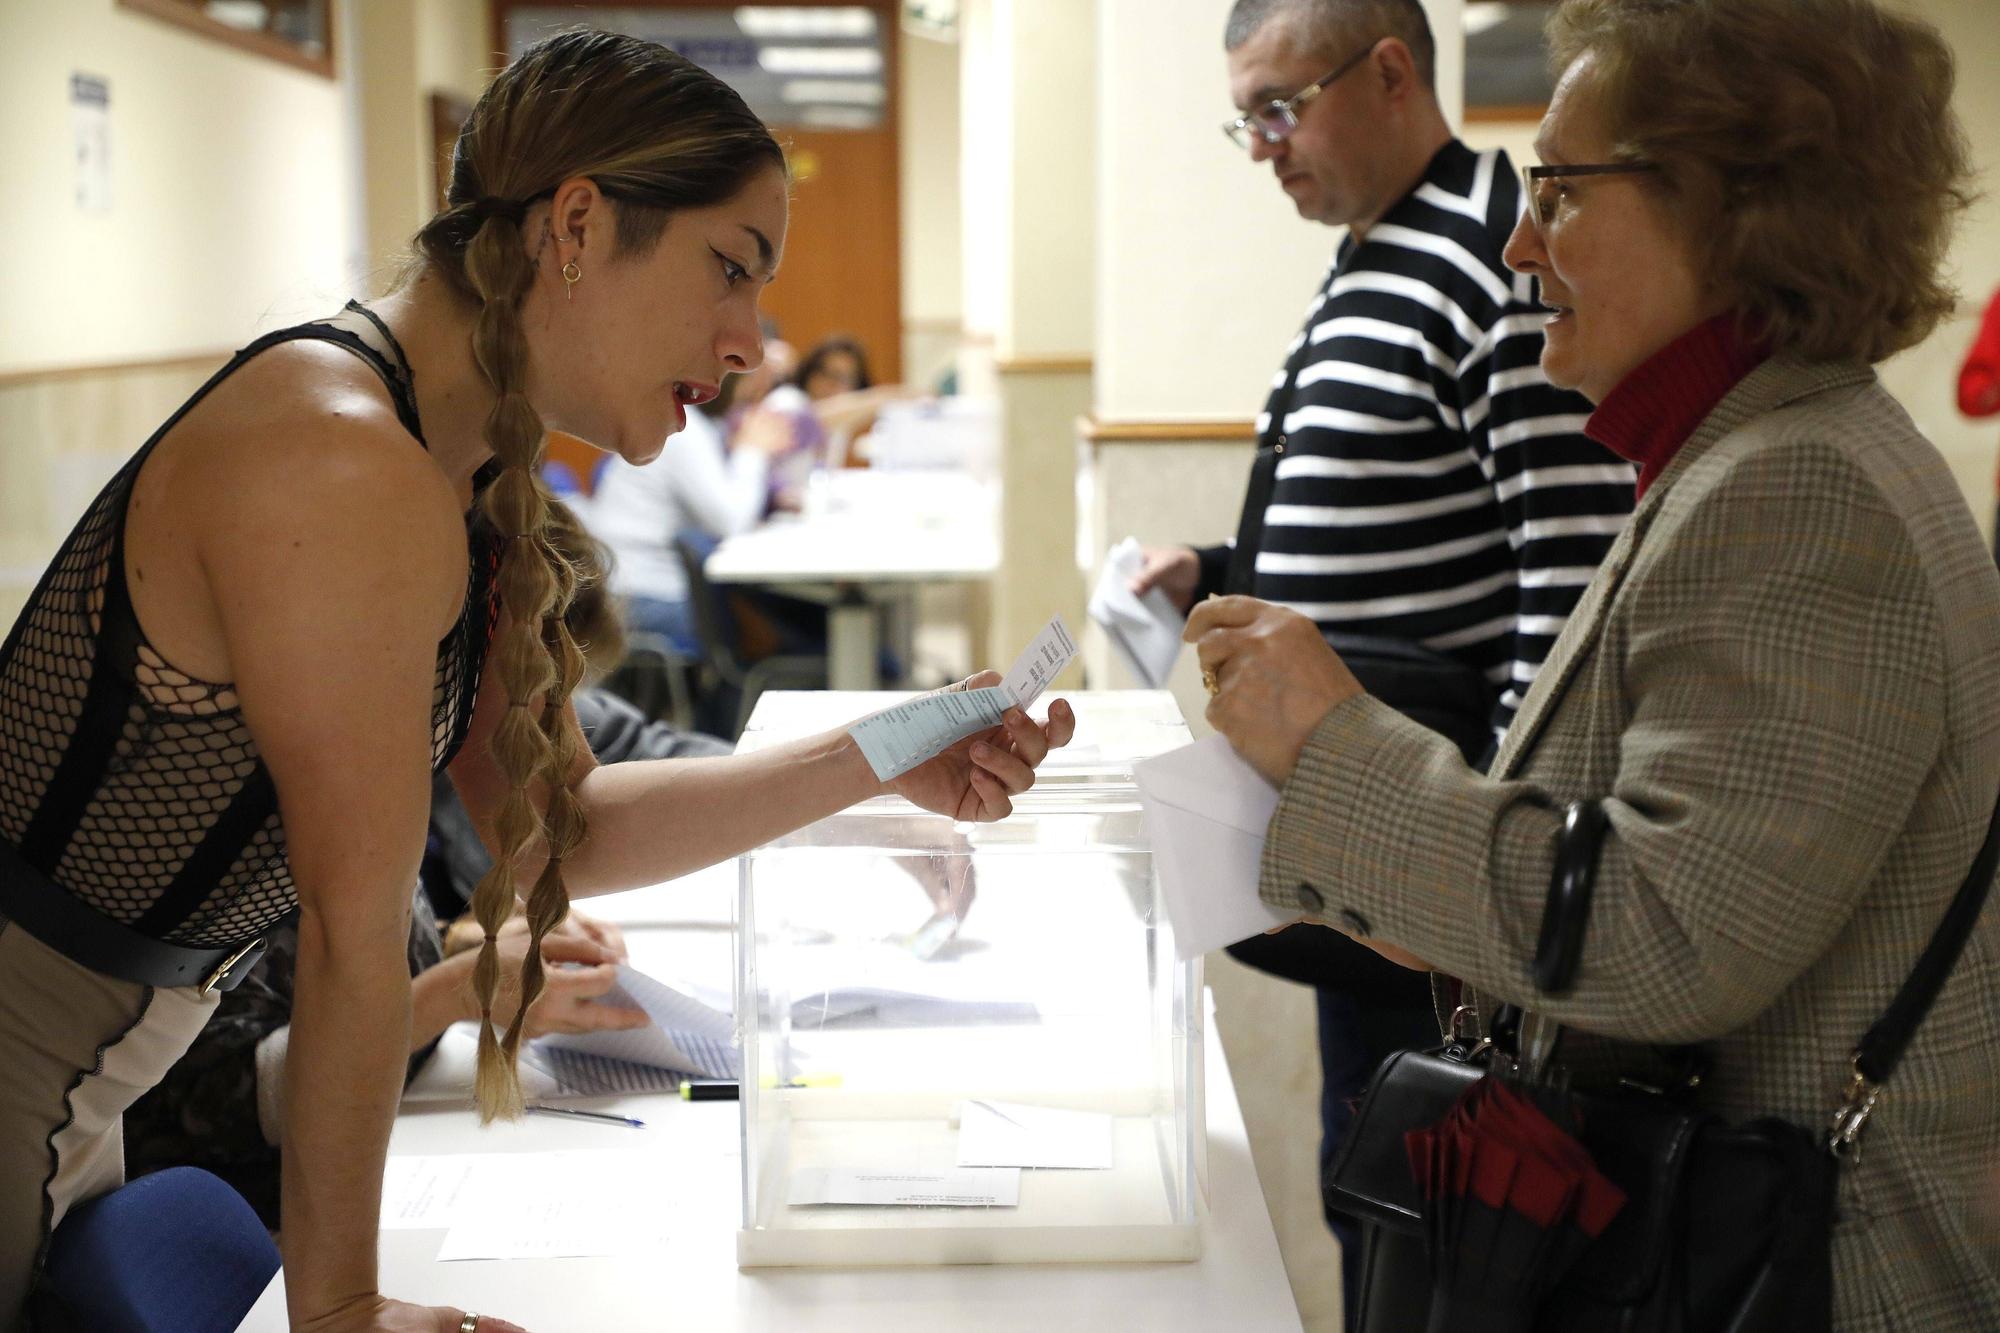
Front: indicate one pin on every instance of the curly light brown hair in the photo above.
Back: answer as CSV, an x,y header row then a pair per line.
x,y
1808,147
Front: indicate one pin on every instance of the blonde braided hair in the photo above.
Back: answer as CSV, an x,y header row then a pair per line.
x,y
656,133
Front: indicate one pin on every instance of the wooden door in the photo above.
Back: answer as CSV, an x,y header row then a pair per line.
x,y
842,271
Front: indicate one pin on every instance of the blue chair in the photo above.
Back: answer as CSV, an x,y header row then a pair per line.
x,y
178,1251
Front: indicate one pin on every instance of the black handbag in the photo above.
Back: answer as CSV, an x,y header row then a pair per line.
x,y
1726,1226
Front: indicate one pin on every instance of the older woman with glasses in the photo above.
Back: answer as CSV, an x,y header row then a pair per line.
x,y
1783,686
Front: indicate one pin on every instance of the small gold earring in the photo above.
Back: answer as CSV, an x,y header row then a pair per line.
x,y
572,275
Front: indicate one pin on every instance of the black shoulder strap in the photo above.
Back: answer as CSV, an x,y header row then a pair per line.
x,y
386,359
1881,1050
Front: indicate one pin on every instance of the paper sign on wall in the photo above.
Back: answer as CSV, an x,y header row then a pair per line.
x,y
90,123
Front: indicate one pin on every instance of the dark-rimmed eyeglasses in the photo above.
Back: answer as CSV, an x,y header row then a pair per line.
x,y
1542,192
1274,121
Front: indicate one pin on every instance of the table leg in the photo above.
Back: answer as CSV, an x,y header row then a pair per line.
x,y
853,643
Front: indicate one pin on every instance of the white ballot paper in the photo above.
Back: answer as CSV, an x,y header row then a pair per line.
x,y
1206,812
538,1205
1010,1134
564,1205
687,1035
897,739
1145,630
963,1188
419,1193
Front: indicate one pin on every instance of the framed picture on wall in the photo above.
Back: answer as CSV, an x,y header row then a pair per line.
x,y
296,32
1507,59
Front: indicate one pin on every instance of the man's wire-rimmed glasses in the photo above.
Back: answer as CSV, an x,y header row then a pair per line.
x,y
1539,188
1274,121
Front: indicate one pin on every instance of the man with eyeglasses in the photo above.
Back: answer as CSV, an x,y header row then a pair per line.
x,y
1421,492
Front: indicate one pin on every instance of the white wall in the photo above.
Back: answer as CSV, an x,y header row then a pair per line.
x,y
927,134
1925,379
1050,54
230,208
401,53
1205,267
985,178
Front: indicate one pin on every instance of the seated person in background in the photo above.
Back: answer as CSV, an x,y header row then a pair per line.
x,y
221,1106
827,402
696,487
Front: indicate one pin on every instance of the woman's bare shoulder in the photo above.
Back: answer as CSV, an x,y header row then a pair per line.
x,y
308,421
303,443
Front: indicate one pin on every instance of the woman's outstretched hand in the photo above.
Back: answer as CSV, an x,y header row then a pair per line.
x,y
977,779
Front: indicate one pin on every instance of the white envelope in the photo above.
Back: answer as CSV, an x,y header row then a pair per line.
x,y
1207,812
1145,631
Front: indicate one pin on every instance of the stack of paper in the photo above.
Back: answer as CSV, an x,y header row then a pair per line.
x,y
1145,630
527,1205
687,1036
582,1074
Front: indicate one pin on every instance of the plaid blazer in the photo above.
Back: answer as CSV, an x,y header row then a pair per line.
x,y
1784,686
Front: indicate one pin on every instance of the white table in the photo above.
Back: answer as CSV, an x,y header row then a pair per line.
x,y
871,538
1238,1284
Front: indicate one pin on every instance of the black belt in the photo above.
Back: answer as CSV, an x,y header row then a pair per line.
x,y
84,936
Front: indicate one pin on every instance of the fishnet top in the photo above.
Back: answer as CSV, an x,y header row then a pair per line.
x,y
137,788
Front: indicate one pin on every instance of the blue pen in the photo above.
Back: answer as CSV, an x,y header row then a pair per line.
x,y
605,1116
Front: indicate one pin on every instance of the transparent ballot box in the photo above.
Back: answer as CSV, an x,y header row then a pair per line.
x,y
970,1043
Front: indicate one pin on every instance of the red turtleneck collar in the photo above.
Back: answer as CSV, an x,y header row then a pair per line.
x,y
1649,416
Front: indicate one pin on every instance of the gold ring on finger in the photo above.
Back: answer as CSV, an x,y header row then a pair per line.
x,y
469,1324
1209,680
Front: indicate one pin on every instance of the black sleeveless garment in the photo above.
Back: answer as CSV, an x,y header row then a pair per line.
x,y
137,789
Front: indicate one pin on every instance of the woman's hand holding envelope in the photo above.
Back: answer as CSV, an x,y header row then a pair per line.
x,y
1275,679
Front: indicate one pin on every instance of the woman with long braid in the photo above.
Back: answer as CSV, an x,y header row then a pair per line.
x,y
328,577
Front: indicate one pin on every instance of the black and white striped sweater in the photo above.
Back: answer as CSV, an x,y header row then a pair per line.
x,y
1434,487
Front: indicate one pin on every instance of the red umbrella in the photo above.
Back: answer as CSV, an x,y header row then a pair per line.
x,y
1511,1198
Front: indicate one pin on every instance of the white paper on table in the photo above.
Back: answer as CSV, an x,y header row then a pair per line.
x,y
556,1226
687,1035
420,1193
560,1204
967,1187
898,738
1011,1134
1207,812
1145,630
